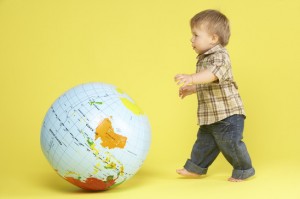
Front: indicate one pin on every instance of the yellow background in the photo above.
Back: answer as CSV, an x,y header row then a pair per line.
x,y
47,47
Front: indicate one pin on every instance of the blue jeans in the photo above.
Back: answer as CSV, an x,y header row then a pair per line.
x,y
224,136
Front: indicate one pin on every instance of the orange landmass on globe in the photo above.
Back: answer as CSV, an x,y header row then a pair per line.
x,y
109,138
92,183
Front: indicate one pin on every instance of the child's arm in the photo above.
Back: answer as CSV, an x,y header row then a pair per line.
x,y
202,77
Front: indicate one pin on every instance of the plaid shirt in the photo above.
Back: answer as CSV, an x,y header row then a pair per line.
x,y
219,99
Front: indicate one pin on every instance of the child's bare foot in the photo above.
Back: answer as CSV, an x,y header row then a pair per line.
x,y
186,173
231,179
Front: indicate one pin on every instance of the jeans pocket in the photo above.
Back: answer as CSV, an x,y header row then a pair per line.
x,y
223,122
222,130
220,126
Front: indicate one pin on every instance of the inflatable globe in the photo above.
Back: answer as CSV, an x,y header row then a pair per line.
x,y
95,136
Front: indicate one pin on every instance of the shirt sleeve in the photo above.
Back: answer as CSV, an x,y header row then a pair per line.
x,y
219,65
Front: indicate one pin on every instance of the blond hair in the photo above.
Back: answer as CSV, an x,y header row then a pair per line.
x,y
214,22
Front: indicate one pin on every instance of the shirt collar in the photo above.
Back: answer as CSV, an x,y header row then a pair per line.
x,y
212,50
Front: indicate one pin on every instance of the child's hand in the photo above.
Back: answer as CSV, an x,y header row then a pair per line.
x,y
183,79
186,90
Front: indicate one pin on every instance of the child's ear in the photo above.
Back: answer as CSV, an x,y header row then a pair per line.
x,y
215,39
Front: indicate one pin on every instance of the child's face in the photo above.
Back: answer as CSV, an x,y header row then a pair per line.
x,y
202,40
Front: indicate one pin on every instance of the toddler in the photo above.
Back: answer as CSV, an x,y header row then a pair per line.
x,y
220,109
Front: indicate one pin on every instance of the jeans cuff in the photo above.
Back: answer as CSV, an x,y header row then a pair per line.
x,y
243,174
192,167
